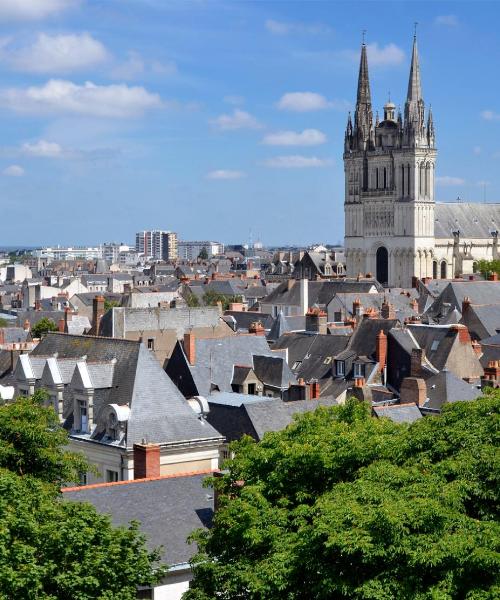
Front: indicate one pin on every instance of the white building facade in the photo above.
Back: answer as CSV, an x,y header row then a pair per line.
x,y
191,250
393,227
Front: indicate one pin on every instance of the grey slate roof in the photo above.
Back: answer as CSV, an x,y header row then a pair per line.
x,y
168,510
273,371
399,413
479,292
446,387
15,334
158,411
473,220
245,318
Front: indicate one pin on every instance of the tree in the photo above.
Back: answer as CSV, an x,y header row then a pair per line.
x,y
43,326
343,505
203,255
486,267
32,442
3,322
192,300
211,298
110,304
55,549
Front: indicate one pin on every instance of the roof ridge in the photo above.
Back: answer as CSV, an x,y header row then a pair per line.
x,y
78,488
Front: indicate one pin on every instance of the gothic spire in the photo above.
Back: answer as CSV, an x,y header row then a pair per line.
x,y
414,85
414,106
363,118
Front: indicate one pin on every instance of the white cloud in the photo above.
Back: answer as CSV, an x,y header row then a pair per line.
x,y
225,174
446,180
447,20
303,102
42,149
56,54
378,56
283,28
239,119
31,10
136,65
296,162
490,115
308,137
60,96
14,171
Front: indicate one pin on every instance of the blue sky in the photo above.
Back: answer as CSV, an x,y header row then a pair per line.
x,y
216,119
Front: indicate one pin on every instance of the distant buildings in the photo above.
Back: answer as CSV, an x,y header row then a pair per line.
x,y
69,252
191,250
159,245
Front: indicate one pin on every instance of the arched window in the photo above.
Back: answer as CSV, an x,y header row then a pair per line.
x,y
376,178
385,178
443,269
434,269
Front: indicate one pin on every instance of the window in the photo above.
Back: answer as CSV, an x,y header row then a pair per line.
x,y
327,360
337,317
434,345
151,343
252,389
111,476
340,368
84,417
359,370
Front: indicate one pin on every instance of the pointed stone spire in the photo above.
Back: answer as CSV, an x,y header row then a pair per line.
x,y
363,117
430,129
414,84
414,106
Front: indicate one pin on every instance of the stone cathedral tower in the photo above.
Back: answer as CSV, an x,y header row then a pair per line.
x,y
389,185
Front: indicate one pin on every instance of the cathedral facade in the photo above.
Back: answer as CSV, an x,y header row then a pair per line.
x,y
394,229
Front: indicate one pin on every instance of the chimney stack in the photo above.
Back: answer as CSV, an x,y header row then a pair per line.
x,y
356,308
413,390
381,350
316,321
387,310
463,333
315,390
478,349
465,304
97,313
190,347
60,325
256,328
417,357
414,305
493,277
27,325
146,461
304,295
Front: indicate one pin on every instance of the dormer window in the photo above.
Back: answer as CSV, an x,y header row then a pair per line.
x,y
83,416
359,370
340,368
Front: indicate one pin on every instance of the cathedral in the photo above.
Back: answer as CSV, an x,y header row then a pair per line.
x,y
394,229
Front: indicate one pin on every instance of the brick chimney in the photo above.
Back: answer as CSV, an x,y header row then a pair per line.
x,y
38,305
414,304
463,333
417,357
2,336
413,390
146,461
381,349
60,325
356,308
493,277
316,321
359,382
97,313
190,347
465,304
314,390
387,310
256,328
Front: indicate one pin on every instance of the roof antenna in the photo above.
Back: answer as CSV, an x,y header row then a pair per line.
x,y
364,34
415,25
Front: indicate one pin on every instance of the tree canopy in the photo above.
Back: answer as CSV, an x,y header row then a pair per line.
x,y
344,505
487,267
53,549
203,255
3,322
43,326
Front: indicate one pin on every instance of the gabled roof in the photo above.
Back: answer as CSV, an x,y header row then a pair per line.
x,y
446,387
399,413
168,509
280,326
273,371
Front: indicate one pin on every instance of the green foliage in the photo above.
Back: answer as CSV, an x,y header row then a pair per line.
x,y
55,549
3,322
192,300
32,442
343,505
203,255
43,326
110,304
212,298
486,267
50,548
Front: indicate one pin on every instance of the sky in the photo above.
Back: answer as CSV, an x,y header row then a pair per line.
x,y
221,119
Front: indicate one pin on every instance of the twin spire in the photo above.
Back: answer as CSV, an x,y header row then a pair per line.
x,y
413,131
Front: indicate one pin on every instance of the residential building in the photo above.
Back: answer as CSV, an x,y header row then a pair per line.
x,y
191,250
157,244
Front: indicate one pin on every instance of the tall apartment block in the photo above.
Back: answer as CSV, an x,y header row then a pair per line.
x,y
157,244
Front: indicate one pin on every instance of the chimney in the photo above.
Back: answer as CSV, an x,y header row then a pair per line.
x,y
290,284
463,333
256,328
27,325
359,382
417,356
146,461
304,295
356,308
387,310
316,321
2,336
97,313
465,304
38,305
493,277
60,325
314,390
190,347
381,350
413,390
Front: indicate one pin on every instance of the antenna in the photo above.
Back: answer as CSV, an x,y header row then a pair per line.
x,y
363,36
415,25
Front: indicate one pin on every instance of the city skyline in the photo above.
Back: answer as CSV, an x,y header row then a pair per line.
x,y
220,118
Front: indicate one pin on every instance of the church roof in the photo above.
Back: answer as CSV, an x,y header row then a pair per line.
x,y
473,220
